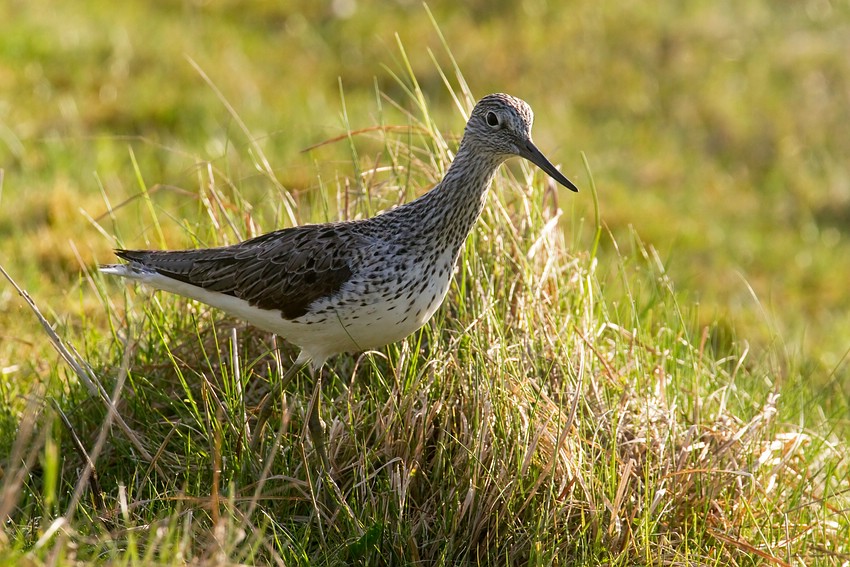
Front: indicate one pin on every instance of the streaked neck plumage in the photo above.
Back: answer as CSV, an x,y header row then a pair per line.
x,y
449,210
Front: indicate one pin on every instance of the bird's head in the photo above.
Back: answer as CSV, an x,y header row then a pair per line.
x,y
501,124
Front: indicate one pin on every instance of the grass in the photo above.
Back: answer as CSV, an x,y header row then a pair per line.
x,y
570,403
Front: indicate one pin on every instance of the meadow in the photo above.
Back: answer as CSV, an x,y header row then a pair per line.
x,y
653,371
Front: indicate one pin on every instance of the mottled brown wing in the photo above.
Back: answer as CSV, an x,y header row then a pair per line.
x,y
287,269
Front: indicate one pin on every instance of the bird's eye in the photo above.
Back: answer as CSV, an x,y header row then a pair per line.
x,y
492,119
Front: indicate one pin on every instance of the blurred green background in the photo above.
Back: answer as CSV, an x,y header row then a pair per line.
x,y
719,132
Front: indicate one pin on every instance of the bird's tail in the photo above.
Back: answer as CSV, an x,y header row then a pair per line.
x,y
131,270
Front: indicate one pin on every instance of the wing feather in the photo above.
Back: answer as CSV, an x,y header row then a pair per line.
x,y
287,269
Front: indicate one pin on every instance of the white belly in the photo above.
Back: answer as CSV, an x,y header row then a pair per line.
x,y
371,320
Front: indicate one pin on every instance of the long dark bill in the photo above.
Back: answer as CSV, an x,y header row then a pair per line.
x,y
530,152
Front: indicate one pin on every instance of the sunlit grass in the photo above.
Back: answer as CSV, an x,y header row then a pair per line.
x,y
571,403
566,405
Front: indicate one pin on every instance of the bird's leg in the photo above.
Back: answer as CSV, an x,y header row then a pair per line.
x,y
266,405
331,496
314,422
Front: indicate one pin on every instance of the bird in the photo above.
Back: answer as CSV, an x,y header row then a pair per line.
x,y
354,285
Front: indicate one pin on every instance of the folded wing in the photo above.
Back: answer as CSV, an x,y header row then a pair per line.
x,y
287,269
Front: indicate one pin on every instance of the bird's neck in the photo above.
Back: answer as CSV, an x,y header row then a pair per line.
x,y
451,208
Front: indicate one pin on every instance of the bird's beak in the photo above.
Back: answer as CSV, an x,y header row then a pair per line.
x,y
530,152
